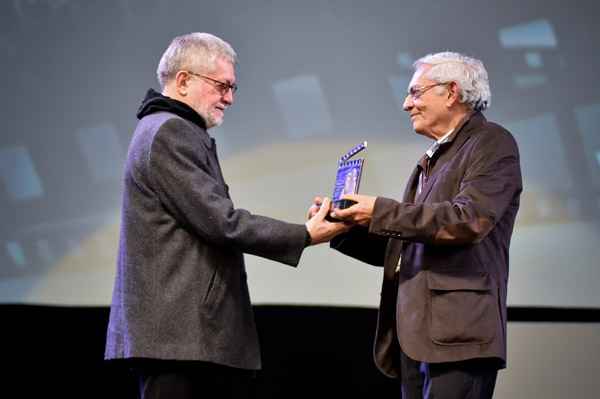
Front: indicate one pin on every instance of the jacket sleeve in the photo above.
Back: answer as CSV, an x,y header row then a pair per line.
x,y
179,169
491,182
359,244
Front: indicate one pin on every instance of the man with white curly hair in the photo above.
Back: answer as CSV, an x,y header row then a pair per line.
x,y
444,247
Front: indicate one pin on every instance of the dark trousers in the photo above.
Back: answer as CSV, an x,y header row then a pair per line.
x,y
183,380
472,379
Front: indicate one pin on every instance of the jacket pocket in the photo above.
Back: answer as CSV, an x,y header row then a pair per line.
x,y
463,308
210,286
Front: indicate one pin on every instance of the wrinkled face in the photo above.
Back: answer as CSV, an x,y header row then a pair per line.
x,y
208,96
427,105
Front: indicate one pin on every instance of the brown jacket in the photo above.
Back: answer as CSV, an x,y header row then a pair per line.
x,y
447,299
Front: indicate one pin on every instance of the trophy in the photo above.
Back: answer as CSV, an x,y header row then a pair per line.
x,y
348,175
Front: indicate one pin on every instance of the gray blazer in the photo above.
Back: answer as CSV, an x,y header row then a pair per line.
x,y
181,291
445,252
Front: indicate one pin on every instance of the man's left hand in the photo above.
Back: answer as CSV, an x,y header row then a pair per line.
x,y
359,213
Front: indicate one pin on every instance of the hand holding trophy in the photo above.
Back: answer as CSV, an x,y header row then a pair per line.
x,y
347,205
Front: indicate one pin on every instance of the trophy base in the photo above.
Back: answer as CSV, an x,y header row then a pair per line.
x,y
339,204
343,204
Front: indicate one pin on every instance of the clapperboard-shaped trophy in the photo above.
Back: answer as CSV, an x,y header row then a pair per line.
x,y
348,175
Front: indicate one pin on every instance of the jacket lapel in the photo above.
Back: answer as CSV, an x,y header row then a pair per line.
x,y
426,188
410,191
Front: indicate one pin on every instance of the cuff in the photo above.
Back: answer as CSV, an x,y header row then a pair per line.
x,y
307,239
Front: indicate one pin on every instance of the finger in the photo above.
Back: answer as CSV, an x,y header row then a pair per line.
x,y
349,210
341,214
315,206
324,208
312,211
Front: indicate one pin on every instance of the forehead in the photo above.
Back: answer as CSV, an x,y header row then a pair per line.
x,y
418,78
224,69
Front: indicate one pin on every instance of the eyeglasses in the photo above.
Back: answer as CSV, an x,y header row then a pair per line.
x,y
222,87
416,92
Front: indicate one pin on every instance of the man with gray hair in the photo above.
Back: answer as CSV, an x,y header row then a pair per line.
x,y
444,247
181,315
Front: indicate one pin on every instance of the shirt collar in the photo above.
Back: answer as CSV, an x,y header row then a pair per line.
x,y
437,144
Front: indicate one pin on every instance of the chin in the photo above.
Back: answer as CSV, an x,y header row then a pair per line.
x,y
423,132
417,128
213,122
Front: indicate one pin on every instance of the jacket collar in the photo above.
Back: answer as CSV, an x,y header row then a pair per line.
x,y
465,129
156,102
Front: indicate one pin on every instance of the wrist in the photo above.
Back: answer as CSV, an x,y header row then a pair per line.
x,y
307,238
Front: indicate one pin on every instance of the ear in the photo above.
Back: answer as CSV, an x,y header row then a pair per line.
x,y
453,94
182,79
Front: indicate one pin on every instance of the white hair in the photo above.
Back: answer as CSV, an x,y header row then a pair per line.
x,y
469,73
197,51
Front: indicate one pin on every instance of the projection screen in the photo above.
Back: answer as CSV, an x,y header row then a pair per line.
x,y
316,78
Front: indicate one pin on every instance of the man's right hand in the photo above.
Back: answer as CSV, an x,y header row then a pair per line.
x,y
318,227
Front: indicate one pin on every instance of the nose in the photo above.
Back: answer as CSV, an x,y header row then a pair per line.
x,y
408,103
228,97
